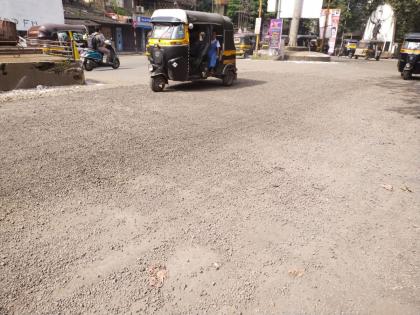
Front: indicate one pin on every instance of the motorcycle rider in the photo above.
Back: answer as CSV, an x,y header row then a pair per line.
x,y
97,42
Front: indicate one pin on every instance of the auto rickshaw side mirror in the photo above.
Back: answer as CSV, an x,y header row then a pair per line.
x,y
190,26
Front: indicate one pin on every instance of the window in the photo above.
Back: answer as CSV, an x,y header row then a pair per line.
x,y
168,31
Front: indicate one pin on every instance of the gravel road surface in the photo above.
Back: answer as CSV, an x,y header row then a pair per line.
x,y
295,191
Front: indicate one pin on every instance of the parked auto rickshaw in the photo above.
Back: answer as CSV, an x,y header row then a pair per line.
x,y
179,46
369,49
58,39
245,44
409,60
349,47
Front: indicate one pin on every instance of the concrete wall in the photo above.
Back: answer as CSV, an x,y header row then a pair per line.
x,y
26,75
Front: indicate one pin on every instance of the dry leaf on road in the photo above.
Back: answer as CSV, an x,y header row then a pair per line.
x,y
157,276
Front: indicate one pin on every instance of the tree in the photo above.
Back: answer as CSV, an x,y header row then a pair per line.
x,y
204,5
248,8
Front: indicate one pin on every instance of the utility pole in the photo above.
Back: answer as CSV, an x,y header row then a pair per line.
x,y
257,44
325,26
134,25
294,26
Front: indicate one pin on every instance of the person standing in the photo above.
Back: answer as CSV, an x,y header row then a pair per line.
x,y
213,53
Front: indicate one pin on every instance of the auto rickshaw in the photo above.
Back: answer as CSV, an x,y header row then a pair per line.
x,y
369,49
245,44
349,47
409,60
179,44
58,39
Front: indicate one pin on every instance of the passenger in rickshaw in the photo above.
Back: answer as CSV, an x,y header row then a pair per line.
x,y
214,53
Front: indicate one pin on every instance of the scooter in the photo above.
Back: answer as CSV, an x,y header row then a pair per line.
x,y
93,58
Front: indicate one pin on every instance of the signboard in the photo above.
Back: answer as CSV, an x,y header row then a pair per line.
x,y
143,22
276,28
332,27
257,26
310,8
27,13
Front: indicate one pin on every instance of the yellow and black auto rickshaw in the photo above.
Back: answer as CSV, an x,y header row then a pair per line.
x,y
181,43
58,39
245,44
369,49
409,60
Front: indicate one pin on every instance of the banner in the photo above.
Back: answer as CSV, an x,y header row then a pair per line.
x,y
257,26
310,9
275,31
332,27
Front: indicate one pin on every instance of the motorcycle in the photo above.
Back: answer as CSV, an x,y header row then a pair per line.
x,y
93,58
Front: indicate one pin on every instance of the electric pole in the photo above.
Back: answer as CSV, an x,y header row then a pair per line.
x,y
257,44
134,25
294,26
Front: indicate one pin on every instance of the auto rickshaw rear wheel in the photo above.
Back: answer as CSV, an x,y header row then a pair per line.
x,y
406,75
228,78
157,83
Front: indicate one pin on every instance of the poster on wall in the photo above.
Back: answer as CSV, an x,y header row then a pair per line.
x,y
28,13
329,18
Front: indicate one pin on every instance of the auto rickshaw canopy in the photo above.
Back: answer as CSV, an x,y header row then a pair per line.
x,y
48,31
194,17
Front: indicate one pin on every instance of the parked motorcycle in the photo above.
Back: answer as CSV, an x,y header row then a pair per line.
x,y
93,58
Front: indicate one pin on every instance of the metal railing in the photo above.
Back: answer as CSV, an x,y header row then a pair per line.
x,y
65,49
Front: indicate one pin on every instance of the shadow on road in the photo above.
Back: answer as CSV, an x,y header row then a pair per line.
x,y
210,84
410,90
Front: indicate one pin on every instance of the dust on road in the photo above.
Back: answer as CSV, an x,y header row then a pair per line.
x,y
264,198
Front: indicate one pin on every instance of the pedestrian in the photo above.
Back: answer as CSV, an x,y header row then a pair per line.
x,y
213,53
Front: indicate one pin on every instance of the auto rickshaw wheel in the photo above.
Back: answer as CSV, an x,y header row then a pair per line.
x,y
228,78
356,57
406,75
157,83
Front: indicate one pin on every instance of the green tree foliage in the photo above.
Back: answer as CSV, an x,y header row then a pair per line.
x,y
204,5
248,6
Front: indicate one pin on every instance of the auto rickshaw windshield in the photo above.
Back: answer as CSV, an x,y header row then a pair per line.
x,y
168,31
411,44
